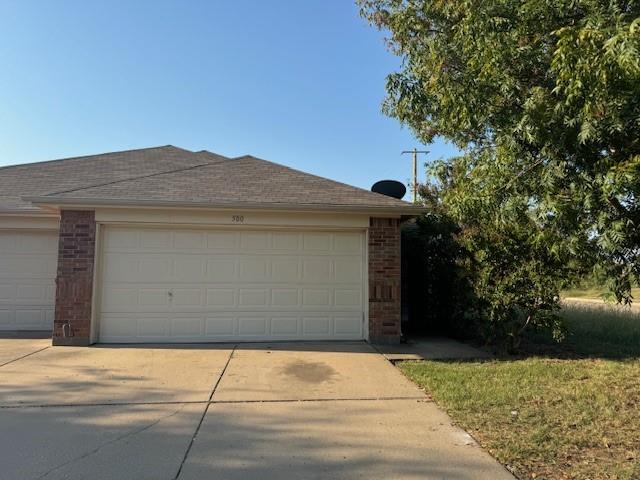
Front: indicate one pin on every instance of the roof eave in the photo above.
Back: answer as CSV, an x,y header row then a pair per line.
x,y
28,212
59,203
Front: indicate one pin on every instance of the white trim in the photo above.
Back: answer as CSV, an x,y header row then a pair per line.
x,y
250,218
29,222
365,287
91,203
24,212
94,324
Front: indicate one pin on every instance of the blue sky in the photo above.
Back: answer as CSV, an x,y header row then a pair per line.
x,y
296,82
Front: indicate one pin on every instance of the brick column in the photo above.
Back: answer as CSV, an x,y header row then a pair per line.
x,y
74,283
384,280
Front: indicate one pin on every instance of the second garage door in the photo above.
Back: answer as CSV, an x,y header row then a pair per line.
x,y
28,261
183,285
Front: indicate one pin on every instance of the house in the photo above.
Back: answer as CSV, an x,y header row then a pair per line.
x,y
168,245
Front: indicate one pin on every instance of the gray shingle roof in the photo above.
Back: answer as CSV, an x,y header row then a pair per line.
x,y
170,175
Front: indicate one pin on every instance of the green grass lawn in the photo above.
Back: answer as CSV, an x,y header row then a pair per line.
x,y
573,415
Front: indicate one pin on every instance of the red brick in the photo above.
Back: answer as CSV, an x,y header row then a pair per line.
x,y
74,282
384,280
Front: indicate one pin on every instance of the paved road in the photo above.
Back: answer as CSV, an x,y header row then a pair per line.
x,y
286,411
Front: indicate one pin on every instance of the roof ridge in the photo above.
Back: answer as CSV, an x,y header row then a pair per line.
x,y
243,157
165,172
94,155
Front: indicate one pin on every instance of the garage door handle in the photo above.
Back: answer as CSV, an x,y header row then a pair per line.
x,y
170,293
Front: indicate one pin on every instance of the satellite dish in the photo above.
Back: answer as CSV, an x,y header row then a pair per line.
x,y
390,188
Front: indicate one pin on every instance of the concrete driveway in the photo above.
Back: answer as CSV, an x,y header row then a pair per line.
x,y
252,411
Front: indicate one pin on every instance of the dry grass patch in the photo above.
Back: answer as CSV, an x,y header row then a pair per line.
x,y
595,293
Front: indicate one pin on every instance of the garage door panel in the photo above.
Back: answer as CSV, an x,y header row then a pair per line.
x,y
7,293
348,270
29,243
288,242
245,326
27,294
253,269
188,268
316,326
200,285
189,240
285,270
8,242
118,267
221,270
285,326
252,297
220,327
187,297
160,298
347,325
317,242
155,239
285,297
348,298
114,297
225,241
154,266
316,297
221,297
118,328
28,262
317,270
153,327
7,317
121,240
27,266
252,326
155,298
187,327
250,241
51,294
30,317
348,243
32,293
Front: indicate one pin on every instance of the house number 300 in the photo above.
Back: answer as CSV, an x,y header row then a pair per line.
x,y
237,218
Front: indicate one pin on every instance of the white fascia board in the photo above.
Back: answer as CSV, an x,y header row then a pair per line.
x,y
90,203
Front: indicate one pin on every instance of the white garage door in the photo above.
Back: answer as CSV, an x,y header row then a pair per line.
x,y
28,263
179,285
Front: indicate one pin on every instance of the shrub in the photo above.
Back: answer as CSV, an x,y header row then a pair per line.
x,y
437,289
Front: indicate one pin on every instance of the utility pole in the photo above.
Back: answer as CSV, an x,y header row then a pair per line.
x,y
415,153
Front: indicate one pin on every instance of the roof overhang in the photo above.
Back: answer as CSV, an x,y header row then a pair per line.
x,y
58,203
28,212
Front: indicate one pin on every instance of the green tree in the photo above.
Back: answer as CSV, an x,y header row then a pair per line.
x,y
543,98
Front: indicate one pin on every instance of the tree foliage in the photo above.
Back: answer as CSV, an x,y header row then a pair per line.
x,y
543,98
437,289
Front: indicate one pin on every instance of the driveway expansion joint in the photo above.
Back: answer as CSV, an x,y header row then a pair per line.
x,y
24,356
211,402
204,413
124,436
312,400
101,404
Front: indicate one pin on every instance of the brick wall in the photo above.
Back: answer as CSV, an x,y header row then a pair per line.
x,y
74,282
384,280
